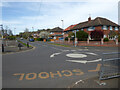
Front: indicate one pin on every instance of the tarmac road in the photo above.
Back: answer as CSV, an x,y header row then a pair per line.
x,y
49,66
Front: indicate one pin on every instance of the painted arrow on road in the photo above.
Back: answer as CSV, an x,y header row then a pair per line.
x,y
54,54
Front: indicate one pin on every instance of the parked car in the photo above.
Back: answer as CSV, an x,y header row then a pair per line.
x,y
31,40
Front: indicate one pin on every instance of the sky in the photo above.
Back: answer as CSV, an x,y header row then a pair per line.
x,y
42,14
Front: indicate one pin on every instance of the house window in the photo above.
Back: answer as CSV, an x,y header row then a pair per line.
x,y
116,28
104,28
111,28
91,28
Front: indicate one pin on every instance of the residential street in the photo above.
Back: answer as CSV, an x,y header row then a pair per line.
x,y
49,66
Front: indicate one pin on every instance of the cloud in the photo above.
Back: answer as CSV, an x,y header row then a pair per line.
x,y
60,0
50,14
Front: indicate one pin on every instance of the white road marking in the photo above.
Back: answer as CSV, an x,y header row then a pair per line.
x,y
74,55
91,53
54,54
84,61
79,81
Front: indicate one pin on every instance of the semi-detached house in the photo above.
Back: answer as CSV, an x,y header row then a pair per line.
x,y
98,23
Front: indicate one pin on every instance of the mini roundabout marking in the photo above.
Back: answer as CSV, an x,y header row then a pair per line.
x,y
79,56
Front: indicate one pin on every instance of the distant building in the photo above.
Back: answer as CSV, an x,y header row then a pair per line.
x,y
98,23
56,33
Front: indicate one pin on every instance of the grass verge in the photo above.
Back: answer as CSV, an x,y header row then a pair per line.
x,y
24,43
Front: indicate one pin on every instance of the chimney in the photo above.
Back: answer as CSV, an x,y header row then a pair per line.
x,y
89,19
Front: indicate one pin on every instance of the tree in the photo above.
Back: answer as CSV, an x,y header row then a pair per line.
x,y
112,34
81,35
70,34
10,32
26,33
97,34
44,34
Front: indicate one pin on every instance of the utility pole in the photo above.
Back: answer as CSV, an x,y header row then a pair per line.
x,y
75,39
2,31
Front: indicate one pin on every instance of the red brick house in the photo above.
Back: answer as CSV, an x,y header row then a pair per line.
x,y
56,33
98,23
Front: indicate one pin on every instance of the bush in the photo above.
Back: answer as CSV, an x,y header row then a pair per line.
x,y
97,34
106,39
82,36
39,39
66,38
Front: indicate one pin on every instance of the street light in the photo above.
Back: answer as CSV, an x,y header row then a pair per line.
x,y
75,39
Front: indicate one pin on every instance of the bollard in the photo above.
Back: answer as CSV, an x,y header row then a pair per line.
x,y
102,41
2,48
19,45
27,44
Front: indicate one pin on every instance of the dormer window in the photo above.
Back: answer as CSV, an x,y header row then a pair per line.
x,y
104,28
111,28
116,28
91,28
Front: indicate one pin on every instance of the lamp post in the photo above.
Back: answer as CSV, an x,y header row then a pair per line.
x,y
75,39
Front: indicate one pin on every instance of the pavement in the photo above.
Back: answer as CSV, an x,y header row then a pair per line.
x,y
14,49
50,66
94,82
